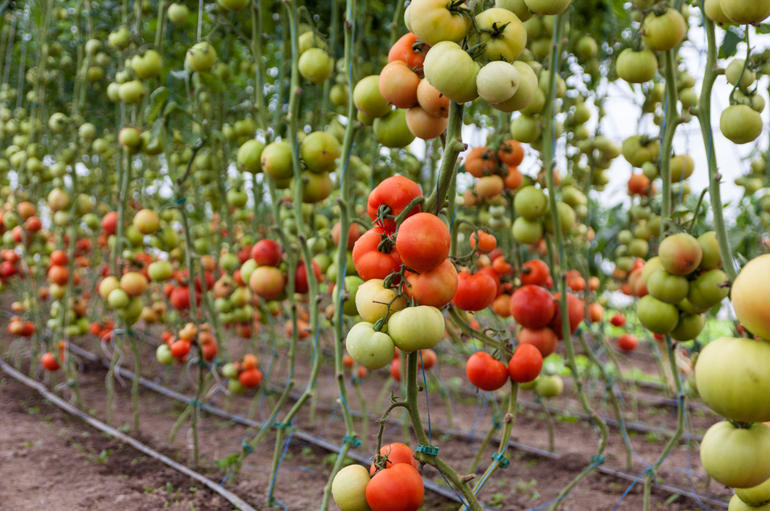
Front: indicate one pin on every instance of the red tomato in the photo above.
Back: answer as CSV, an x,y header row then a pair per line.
x,y
396,193
495,276
395,369
475,291
436,287
423,242
501,266
49,362
395,453
398,488
535,272
110,223
618,319
427,358
180,348
209,351
180,298
627,342
370,261
525,364
544,339
58,275
532,306
59,258
485,372
250,378
354,232
300,277
266,253
576,308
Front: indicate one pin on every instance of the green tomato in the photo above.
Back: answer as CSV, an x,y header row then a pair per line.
x,y
657,316
502,33
452,71
708,289
738,504
316,65
527,232
319,151
732,378
710,247
688,327
367,97
416,328
736,456
160,271
530,203
163,355
201,57
549,385
391,130
369,348
349,488
667,287
235,387
230,371
118,299
352,283
249,157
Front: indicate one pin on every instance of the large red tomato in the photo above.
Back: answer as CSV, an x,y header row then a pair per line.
x,y
485,372
396,193
532,306
436,287
423,241
398,488
370,262
475,291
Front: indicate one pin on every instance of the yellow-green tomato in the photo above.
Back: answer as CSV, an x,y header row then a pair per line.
x,y
372,299
497,82
315,65
368,347
733,380
433,21
352,282
452,71
738,504
525,92
756,495
201,57
549,385
368,99
502,33
391,130
349,488
416,328
250,155
736,457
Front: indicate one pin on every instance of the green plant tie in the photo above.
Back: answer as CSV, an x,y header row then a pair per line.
x,y
282,425
248,449
196,403
352,440
430,450
597,460
501,459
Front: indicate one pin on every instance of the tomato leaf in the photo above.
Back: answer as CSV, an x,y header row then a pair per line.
x,y
158,99
730,43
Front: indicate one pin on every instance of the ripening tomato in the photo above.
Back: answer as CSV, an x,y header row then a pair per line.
x,y
267,282
180,298
532,306
427,359
410,50
423,242
354,232
395,453
511,153
395,369
544,339
525,364
266,253
180,348
502,305
374,256
58,275
485,372
436,287
349,488
535,272
393,193
486,241
475,291
398,488
618,319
